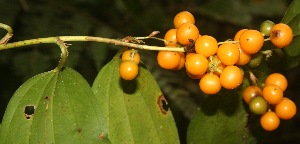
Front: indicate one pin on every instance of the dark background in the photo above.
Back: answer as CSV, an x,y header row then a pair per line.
x,y
121,18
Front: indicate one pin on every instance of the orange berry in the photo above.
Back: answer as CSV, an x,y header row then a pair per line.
x,y
186,33
183,17
231,77
278,80
196,64
195,76
272,94
238,34
286,109
251,41
244,58
228,53
281,35
131,55
210,84
206,45
168,59
181,62
269,121
128,70
170,38
251,92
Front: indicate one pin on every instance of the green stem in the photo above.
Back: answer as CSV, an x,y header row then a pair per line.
x,y
228,41
6,27
8,35
87,38
64,54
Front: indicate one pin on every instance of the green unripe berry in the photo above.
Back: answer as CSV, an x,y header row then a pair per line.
x,y
258,105
265,27
255,60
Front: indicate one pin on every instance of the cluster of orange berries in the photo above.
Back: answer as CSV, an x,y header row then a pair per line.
x,y
216,64
270,102
128,68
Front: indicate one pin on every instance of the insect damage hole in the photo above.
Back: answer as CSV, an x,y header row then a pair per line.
x,y
29,111
163,104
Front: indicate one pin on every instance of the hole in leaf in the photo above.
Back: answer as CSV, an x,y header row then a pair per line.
x,y
29,111
163,104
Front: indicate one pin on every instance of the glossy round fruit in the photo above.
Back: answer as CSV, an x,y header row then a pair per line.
x,y
281,35
266,26
131,55
170,38
244,58
196,64
238,34
206,45
210,84
251,41
231,77
168,59
269,121
181,62
251,92
258,105
128,70
195,76
278,80
183,17
286,109
228,53
186,33
272,94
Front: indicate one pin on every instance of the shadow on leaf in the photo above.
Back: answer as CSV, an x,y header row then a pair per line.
x,y
128,86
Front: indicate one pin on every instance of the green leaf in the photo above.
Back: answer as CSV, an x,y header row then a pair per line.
x,y
54,108
295,25
293,49
292,62
292,11
218,9
134,110
220,119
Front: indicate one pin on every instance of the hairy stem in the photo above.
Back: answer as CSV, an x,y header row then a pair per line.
x,y
87,38
64,54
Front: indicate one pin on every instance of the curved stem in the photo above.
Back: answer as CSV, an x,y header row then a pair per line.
x,y
64,54
6,27
87,38
8,35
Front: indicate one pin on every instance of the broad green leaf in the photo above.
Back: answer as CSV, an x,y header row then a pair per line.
x,y
292,11
54,108
294,48
218,9
220,119
295,25
292,62
134,110
241,12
